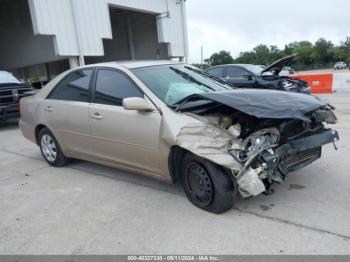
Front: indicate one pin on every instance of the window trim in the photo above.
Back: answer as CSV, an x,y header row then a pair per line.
x,y
93,69
94,85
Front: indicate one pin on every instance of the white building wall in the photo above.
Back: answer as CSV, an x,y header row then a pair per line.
x,y
57,18
18,46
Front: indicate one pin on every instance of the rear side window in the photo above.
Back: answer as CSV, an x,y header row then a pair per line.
x,y
218,72
113,86
235,72
74,87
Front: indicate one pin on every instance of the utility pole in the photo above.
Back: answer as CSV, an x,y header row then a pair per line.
x,y
202,58
184,28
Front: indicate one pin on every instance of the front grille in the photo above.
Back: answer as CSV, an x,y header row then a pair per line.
x,y
9,111
12,95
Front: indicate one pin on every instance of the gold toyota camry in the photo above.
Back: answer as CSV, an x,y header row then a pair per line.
x,y
173,122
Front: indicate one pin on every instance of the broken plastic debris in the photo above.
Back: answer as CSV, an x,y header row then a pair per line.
x,y
249,184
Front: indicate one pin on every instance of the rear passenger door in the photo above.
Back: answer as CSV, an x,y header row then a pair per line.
x,y
239,77
123,137
66,111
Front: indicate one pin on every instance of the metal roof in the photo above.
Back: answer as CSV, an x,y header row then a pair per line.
x,y
145,63
79,27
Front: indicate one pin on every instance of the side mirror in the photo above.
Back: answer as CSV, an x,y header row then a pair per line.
x,y
137,103
248,76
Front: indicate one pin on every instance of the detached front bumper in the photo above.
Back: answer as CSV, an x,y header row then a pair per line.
x,y
298,153
9,112
274,165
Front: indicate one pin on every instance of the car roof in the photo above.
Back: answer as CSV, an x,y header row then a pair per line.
x,y
136,63
242,65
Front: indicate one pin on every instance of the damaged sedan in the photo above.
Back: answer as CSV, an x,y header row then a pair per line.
x,y
176,123
274,76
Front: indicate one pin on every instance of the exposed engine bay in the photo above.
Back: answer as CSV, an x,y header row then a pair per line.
x,y
259,151
284,83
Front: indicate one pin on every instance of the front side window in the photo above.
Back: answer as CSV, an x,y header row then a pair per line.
x,y
74,87
112,87
235,72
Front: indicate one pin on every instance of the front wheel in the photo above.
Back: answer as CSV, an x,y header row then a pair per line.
x,y
50,149
207,186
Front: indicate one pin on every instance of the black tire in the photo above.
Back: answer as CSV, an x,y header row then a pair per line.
x,y
59,160
207,185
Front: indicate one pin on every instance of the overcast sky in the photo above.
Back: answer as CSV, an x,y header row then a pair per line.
x,y
240,25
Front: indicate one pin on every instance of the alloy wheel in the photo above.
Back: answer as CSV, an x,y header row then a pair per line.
x,y
48,148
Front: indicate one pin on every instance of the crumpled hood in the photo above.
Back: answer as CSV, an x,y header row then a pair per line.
x,y
266,103
277,66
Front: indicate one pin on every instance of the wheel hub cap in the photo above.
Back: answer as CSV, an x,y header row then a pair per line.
x,y
48,147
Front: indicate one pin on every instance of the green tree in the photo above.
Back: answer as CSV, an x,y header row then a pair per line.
x,y
321,54
275,54
245,58
262,54
304,49
323,51
290,48
221,58
204,66
345,50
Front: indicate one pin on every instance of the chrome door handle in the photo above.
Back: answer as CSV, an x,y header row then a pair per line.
x,y
49,109
97,116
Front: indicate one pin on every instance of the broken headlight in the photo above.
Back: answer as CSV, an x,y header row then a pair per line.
x,y
325,116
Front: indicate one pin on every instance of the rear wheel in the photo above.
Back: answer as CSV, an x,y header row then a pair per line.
x,y
207,186
50,149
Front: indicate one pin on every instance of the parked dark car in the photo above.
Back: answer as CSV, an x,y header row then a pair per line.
x,y
11,91
256,76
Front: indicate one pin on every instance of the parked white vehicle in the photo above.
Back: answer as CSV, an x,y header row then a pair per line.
x,y
340,65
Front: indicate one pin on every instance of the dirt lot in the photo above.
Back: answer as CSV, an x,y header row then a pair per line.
x,y
90,209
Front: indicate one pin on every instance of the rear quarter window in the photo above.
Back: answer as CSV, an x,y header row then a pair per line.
x,y
74,87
